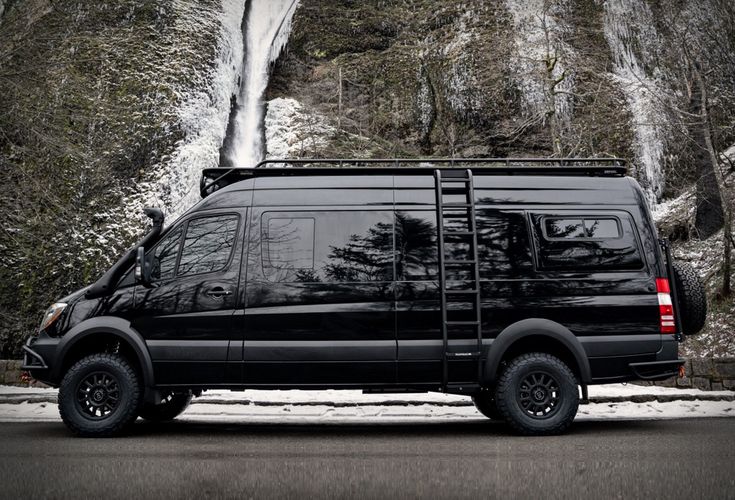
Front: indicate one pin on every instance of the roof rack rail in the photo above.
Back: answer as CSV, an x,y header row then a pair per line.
x,y
217,178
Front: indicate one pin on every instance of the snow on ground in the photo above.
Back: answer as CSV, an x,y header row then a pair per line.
x,y
613,402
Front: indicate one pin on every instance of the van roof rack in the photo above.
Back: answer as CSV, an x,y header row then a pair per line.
x,y
219,177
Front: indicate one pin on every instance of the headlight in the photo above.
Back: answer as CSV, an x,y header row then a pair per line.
x,y
52,314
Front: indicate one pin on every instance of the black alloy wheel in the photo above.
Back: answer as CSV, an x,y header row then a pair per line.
x,y
98,395
538,395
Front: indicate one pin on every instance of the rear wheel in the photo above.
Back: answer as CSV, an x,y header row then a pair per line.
x,y
169,408
100,395
537,394
485,403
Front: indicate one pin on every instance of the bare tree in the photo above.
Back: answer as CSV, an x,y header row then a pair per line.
x,y
710,214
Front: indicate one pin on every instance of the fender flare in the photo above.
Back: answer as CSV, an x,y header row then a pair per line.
x,y
535,327
106,324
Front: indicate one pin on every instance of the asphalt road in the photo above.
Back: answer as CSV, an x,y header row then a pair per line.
x,y
690,458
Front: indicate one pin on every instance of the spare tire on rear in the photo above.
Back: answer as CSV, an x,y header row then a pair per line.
x,y
690,297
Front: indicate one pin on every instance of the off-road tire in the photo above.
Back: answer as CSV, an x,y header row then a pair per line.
x,y
485,403
509,393
691,298
74,407
171,407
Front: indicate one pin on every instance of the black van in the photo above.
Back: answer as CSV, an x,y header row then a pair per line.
x,y
516,282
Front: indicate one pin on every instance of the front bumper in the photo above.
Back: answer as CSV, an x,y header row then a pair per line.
x,y
39,353
32,360
656,370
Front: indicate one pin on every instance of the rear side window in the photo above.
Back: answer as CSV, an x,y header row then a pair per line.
x,y
579,228
586,242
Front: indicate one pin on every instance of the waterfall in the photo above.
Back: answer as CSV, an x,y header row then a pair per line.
x,y
265,35
630,32
539,32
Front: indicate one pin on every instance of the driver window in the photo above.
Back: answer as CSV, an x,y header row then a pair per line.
x,y
164,256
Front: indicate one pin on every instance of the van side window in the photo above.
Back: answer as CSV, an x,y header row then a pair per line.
x,y
416,246
208,244
339,246
503,244
586,242
164,256
565,228
602,228
288,244
598,227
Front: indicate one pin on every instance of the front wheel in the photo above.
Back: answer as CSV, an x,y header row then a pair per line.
x,y
100,395
537,395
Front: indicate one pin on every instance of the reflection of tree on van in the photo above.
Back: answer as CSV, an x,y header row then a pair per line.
x,y
416,246
293,255
370,257
363,258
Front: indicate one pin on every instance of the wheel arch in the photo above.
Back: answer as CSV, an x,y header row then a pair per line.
x,y
537,335
93,334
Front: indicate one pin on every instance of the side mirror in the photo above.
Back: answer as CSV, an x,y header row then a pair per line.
x,y
142,268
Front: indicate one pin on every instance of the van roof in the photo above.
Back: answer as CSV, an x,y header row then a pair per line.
x,y
214,179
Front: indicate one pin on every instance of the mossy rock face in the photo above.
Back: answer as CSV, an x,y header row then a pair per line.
x,y
438,77
414,76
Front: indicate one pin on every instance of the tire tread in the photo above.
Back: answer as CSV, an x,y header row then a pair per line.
x,y
119,425
504,386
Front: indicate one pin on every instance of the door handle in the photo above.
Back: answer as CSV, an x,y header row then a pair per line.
x,y
218,292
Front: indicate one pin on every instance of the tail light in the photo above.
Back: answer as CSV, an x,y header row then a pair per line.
x,y
665,306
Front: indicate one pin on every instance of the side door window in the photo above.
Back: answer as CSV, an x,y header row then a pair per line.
x,y
327,247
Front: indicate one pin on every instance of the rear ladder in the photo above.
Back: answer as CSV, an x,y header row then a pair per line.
x,y
459,277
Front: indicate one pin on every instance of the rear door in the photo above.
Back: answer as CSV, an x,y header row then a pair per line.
x,y
186,317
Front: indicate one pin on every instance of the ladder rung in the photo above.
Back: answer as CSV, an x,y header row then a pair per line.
x,y
449,291
453,190
465,355
459,262
457,215
459,233
463,323
456,205
456,173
